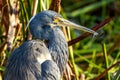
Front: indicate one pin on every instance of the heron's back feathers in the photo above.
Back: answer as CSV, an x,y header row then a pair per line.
x,y
31,61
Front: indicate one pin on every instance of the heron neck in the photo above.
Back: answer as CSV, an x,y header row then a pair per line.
x,y
58,48
57,42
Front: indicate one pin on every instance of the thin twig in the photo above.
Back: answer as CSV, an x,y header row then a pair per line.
x,y
103,73
86,34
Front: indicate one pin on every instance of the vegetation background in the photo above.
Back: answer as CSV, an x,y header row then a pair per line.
x,y
95,58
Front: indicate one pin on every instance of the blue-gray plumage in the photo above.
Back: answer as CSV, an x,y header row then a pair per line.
x,y
46,26
40,28
31,61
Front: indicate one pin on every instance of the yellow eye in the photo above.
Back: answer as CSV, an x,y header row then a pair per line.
x,y
58,20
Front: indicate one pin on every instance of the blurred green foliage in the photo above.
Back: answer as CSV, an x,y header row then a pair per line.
x,y
89,54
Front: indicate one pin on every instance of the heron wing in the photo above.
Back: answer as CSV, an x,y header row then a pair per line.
x,y
50,70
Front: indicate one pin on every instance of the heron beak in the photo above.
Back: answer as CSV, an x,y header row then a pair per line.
x,y
63,22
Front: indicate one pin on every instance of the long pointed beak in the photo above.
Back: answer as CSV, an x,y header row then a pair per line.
x,y
63,22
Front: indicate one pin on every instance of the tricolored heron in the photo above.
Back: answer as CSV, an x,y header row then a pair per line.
x,y
44,26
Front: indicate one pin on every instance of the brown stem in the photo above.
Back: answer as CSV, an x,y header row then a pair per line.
x,y
4,16
35,4
103,73
52,5
55,5
86,34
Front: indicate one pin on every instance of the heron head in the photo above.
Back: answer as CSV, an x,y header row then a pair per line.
x,y
44,23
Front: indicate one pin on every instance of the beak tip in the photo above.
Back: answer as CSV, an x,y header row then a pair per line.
x,y
95,34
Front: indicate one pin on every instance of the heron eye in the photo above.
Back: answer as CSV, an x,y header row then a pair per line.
x,y
58,20
54,18
37,49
